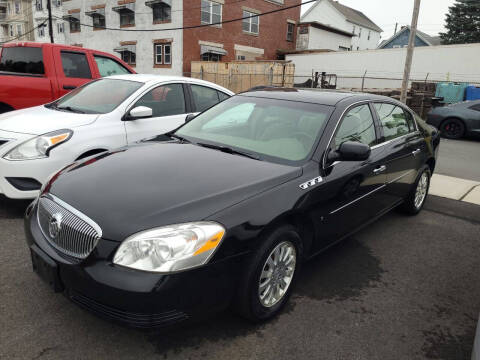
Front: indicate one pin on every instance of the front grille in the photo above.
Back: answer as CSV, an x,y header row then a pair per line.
x,y
66,229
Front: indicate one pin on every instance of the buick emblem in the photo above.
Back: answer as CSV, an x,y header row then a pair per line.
x,y
55,225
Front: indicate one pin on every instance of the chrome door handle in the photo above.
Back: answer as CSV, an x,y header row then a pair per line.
x,y
379,170
416,152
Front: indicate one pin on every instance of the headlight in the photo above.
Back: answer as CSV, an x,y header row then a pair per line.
x,y
39,147
170,248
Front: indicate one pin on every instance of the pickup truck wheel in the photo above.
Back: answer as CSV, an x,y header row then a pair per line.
x,y
270,275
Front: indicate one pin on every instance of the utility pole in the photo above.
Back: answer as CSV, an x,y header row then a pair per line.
x,y
396,27
411,46
50,25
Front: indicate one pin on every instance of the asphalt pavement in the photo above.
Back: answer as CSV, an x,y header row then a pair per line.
x,y
403,288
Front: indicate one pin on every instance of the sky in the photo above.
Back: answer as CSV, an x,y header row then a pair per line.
x,y
385,13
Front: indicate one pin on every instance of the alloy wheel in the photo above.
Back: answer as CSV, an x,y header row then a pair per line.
x,y
421,191
277,274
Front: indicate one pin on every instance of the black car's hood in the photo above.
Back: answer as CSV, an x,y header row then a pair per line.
x,y
155,184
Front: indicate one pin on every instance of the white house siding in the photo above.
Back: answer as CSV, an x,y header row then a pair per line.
x,y
322,39
441,63
108,40
325,13
362,42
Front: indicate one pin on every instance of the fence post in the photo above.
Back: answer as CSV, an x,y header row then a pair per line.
x,y
363,80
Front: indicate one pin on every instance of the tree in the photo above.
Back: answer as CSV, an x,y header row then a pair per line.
x,y
462,23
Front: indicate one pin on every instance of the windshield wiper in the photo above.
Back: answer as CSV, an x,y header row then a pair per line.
x,y
178,137
69,108
229,150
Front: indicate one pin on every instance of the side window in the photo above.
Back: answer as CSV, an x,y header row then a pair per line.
x,y
204,97
393,120
222,96
358,126
25,60
164,100
75,65
108,67
238,115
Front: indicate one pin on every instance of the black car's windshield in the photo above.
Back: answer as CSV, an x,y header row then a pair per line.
x,y
284,131
97,97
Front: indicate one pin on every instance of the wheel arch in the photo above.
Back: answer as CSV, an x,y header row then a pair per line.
x,y
302,224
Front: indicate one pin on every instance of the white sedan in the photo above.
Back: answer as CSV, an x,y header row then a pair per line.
x,y
103,115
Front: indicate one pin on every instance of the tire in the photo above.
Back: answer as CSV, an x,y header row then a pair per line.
x,y
248,300
414,202
453,128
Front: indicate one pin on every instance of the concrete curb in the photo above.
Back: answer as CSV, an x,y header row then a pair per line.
x,y
455,188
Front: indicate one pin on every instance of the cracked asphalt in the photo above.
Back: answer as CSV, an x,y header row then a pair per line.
x,y
403,288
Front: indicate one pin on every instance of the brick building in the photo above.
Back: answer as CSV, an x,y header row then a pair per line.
x,y
257,38
168,51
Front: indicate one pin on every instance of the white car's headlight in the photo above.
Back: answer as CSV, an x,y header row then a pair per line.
x,y
170,248
40,146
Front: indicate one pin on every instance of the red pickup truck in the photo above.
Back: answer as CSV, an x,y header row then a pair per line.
x,y
34,73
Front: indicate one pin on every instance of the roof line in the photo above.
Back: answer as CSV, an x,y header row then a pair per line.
x,y
403,29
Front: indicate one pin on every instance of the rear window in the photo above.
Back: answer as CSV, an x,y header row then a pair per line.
x,y
23,60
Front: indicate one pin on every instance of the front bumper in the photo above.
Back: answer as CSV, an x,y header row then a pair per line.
x,y
136,298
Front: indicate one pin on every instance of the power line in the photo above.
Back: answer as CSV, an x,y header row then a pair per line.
x,y
198,26
28,32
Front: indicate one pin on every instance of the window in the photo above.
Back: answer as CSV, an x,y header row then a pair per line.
x,y
25,60
57,3
127,18
353,30
38,5
163,54
393,119
128,53
99,19
211,12
162,12
60,28
211,57
205,97
74,21
280,131
241,57
17,7
359,32
19,29
358,126
290,31
166,100
108,67
75,65
251,24
11,30
369,35
41,31
100,96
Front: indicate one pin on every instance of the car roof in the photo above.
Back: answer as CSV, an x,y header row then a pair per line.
x,y
314,96
153,78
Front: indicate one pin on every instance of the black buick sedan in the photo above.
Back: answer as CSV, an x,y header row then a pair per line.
x,y
224,210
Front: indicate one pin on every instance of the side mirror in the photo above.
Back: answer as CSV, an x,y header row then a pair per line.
x,y
350,151
140,112
190,117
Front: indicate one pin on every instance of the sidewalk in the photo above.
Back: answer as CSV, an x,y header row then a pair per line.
x,y
455,188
